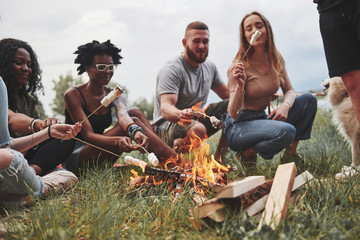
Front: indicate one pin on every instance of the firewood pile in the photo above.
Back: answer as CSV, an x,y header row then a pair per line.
x,y
266,200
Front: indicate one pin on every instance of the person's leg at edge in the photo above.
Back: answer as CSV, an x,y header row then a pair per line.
x,y
301,116
18,180
352,84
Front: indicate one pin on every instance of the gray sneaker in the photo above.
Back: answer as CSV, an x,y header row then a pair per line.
x,y
58,181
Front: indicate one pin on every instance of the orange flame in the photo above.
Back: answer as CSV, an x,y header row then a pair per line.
x,y
197,109
201,166
156,183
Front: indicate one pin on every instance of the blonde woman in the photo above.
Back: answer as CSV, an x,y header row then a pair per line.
x,y
254,79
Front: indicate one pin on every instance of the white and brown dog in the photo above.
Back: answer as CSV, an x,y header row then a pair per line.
x,y
345,119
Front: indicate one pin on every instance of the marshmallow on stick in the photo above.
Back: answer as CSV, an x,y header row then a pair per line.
x,y
116,92
153,160
254,37
136,162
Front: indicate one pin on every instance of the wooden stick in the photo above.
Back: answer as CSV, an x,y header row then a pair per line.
x,y
245,53
203,114
92,145
91,114
279,196
144,149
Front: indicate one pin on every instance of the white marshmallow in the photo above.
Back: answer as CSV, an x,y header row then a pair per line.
x,y
254,37
134,161
153,160
116,92
105,101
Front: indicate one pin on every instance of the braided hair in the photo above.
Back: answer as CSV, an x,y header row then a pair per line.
x,y
8,48
86,53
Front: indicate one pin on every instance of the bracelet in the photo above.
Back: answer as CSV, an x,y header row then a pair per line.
x,y
49,133
31,125
132,129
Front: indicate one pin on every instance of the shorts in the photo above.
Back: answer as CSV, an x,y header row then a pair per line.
x,y
169,131
340,30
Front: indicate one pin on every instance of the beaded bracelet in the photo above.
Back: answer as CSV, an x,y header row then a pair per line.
x,y
132,129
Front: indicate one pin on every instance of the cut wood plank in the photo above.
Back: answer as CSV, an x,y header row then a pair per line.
x,y
207,208
235,189
301,179
279,196
259,205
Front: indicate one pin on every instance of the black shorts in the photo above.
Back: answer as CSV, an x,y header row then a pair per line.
x,y
340,30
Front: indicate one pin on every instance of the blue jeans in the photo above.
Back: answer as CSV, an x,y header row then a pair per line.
x,y
268,137
18,178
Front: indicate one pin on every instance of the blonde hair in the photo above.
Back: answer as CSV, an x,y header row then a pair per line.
x,y
276,60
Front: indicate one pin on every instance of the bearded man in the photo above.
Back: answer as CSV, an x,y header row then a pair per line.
x,y
183,82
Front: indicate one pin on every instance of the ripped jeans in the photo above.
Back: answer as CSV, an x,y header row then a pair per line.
x,y
19,179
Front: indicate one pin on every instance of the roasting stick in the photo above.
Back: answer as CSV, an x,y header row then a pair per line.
x,y
203,114
213,119
151,171
116,92
151,157
92,145
253,39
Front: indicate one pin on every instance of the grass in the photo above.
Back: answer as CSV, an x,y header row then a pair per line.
x,y
104,206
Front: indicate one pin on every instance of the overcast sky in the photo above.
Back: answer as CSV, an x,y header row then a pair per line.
x,y
150,33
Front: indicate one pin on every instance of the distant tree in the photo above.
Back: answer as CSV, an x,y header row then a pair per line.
x,y
41,110
60,86
146,107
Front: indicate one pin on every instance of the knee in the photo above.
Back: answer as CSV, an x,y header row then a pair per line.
x,y
5,158
310,100
198,129
290,133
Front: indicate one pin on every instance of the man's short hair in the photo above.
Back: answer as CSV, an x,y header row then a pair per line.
x,y
197,25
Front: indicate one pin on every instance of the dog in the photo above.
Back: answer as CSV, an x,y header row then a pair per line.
x,y
346,121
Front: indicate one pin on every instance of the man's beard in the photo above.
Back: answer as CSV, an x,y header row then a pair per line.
x,y
193,56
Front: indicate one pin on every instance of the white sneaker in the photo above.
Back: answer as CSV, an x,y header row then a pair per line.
x,y
346,172
58,181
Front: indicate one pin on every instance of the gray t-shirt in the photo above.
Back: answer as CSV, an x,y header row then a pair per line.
x,y
191,84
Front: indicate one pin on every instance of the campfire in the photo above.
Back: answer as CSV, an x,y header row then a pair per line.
x,y
197,167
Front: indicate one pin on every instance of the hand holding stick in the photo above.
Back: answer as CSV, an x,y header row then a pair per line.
x,y
216,123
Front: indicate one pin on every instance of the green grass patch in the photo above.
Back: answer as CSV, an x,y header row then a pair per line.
x,y
103,205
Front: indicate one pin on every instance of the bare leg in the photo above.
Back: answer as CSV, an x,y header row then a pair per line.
x,y
37,169
156,144
291,150
221,148
90,155
192,139
5,158
352,84
136,112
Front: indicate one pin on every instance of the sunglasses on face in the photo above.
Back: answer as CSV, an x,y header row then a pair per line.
x,y
102,67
